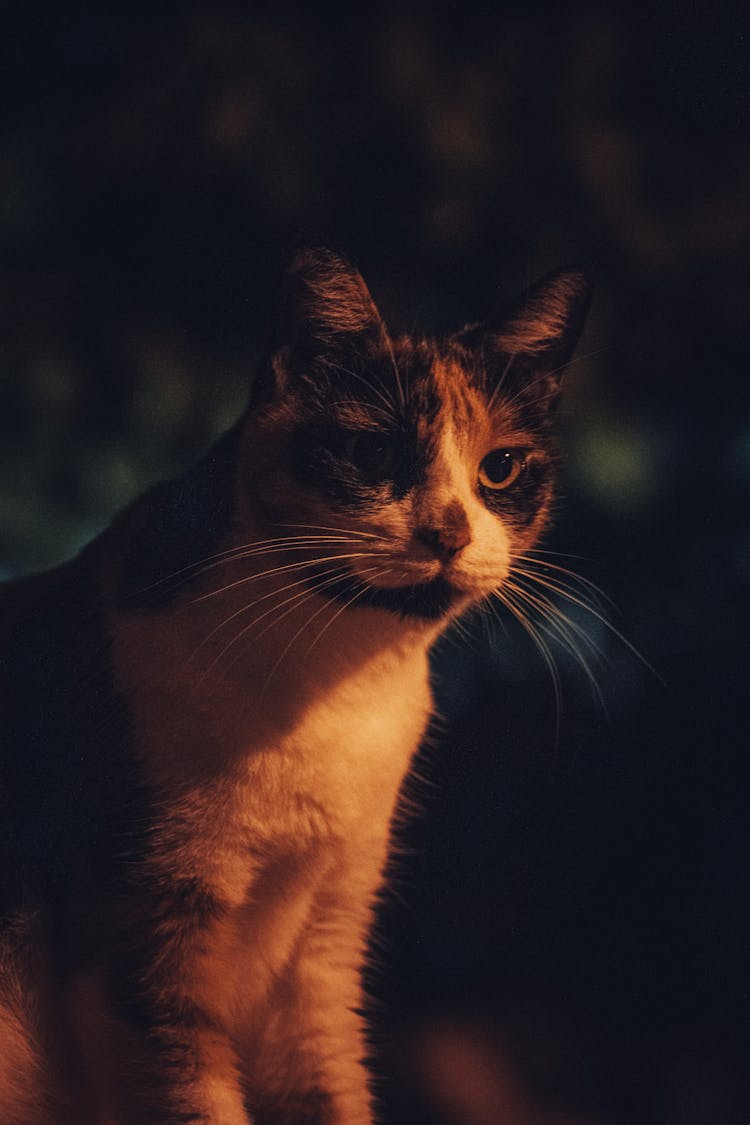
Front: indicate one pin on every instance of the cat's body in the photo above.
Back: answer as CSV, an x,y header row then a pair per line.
x,y
208,715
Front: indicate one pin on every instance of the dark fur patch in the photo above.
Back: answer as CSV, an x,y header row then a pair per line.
x,y
428,600
66,733
423,405
519,505
327,417
311,1107
184,522
80,822
319,456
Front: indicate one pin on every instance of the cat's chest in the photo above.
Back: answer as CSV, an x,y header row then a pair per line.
x,y
299,775
336,772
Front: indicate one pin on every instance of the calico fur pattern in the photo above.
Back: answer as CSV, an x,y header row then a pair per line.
x,y
207,716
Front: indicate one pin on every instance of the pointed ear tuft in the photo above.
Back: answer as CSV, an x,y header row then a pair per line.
x,y
542,328
325,299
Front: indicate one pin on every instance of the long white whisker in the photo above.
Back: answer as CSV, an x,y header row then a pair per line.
x,y
546,605
244,550
568,574
293,604
382,395
559,586
607,624
322,527
298,598
346,605
525,389
585,355
280,570
305,625
501,380
392,357
566,631
264,597
556,554
509,601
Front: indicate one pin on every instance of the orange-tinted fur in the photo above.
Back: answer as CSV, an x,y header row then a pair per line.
x,y
244,667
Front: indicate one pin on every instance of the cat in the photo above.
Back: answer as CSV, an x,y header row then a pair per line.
x,y
208,714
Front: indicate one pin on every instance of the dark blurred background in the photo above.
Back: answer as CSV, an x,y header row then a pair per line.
x,y
567,936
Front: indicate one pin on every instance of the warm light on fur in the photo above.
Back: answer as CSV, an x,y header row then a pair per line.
x,y
245,682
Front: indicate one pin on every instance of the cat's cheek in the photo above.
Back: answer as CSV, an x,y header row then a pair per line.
x,y
484,564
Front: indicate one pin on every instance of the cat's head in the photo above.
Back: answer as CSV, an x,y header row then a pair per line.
x,y
413,471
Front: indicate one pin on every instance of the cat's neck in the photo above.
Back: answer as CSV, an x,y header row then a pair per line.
x,y
242,656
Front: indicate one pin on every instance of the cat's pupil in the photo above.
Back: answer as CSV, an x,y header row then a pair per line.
x,y
371,454
499,465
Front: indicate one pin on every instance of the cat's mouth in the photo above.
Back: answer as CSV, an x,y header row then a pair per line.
x,y
429,600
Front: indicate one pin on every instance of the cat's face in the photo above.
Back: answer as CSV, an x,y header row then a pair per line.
x,y
418,469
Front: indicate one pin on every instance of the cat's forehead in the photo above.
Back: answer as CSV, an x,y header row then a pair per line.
x,y
445,388
423,382
424,386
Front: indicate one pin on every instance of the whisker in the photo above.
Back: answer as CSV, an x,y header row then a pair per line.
x,y
588,608
572,574
501,380
525,388
557,554
296,603
566,631
510,603
264,597
548,608
243,551
322,527
586,355
305,625
561,587
383,395
298,598
363,589
280,570
392,357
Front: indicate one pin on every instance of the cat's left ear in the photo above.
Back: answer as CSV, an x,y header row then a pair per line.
x,y
538,334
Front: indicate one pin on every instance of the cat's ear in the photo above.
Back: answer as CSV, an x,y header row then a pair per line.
x,y
325,301
538,333
326,316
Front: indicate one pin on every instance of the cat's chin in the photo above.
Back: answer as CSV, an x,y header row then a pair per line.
x,y
427,601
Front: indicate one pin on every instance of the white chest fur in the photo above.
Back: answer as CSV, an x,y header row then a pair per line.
x,y
290,833
344,759
259,769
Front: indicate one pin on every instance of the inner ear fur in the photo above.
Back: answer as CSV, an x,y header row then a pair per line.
x,y
324,300
325,313
540,330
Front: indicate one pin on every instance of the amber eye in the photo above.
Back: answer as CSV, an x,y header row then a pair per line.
x,y
372,454
500,468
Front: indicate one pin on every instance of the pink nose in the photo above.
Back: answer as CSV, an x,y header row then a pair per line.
x,y
450,536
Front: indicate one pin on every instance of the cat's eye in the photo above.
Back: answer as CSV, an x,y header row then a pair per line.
x,y
372,454
501,468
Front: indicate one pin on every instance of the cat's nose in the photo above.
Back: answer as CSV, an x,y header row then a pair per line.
x,y
450,536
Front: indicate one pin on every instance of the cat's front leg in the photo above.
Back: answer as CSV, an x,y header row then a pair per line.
x,y
305,1066
173,1061
309,1068
176,1071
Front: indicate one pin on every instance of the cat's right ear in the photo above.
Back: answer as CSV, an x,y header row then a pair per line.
x,y
325,302
326,313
